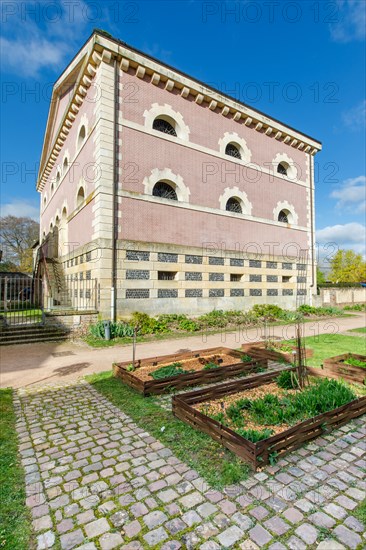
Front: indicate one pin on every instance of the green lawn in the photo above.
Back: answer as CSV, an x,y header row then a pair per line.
x,y
214,463
329,345
15,526
361,329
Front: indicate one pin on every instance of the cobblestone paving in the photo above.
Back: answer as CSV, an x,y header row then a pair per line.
x,y
96,480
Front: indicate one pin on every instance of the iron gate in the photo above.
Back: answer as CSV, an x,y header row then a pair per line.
x,y
21,301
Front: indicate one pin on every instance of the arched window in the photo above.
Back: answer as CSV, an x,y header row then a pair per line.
x,y
65,164
282,168
44,201
233,205
232,150
64,214
165,191
80,196
166,125
58,177
81,136
57,221
283,216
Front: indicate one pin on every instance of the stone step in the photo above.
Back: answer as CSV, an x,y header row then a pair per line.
x,y
34,340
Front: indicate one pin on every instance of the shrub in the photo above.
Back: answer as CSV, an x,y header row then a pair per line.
x,y
287,380
149,325
319,311
355,307
246,358
168,370
215,318
188,325
268,311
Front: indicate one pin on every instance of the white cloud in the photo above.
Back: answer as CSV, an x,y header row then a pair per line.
x,y
20,208
349,21
347,236
351,195
355,117
35,38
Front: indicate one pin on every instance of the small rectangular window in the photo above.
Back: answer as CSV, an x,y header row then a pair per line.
x,y
167,275
286,279
235,277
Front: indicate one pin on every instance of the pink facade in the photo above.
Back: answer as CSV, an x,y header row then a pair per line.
x,y
121,159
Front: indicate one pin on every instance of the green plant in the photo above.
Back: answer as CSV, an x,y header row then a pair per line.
x,y
149,325
117,330
130,368
355,362
287,380
254,435
215,318
246,358
188,325
168,370
355,307
234,411
273,458
211,365
267,311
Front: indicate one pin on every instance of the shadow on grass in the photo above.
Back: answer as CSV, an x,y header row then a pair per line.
x,y
213,462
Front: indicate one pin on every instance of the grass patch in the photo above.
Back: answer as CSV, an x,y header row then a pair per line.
x,y
361,329
15,530
360,512
215,464
329,345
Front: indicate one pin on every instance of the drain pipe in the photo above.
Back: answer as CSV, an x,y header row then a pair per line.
x,y
313,275
114,194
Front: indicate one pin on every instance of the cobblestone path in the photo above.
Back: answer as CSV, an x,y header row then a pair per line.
x,y
97,481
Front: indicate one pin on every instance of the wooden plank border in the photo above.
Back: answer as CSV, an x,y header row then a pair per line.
x,y
202,377
258,454
334,367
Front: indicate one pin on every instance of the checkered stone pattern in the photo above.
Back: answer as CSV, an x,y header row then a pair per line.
x,y
94,479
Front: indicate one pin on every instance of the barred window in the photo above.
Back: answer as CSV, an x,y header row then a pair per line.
x,y
232,150
233,205
165,191
165,126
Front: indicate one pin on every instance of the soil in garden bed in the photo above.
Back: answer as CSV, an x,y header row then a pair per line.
x,y
193,364
221,405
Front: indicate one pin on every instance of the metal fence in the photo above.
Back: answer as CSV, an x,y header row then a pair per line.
x,y
21,300
75,293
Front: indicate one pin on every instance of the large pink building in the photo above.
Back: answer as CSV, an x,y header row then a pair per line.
x,y
171,195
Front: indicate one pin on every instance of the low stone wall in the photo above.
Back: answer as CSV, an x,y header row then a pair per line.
x,y
75,322
335,296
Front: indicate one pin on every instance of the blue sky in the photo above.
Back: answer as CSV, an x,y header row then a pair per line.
x,y
301,62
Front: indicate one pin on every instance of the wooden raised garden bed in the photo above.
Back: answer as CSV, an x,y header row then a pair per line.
x,y
262,452
232,366
336,367
258,350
